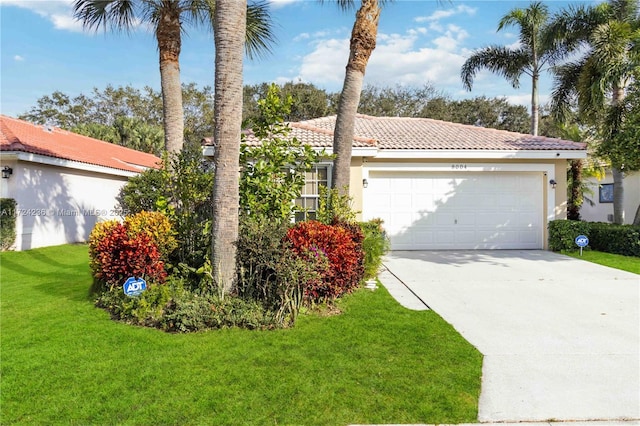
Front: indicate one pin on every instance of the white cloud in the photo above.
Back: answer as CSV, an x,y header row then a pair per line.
x,y
442,14
397,59
59,12
325,64
18,58
280,3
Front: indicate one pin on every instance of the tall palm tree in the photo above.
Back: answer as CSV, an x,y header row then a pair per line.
x,y
229,28
606,38
532,57
168,19
362,44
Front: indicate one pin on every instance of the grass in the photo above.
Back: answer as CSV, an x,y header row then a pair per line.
x,y
618,261
65,362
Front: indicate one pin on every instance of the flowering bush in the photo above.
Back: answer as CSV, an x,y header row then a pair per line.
x,y
341,245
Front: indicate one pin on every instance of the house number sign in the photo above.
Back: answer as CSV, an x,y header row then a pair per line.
x,y
458,167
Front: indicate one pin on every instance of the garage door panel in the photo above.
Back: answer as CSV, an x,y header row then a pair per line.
x,y
428,210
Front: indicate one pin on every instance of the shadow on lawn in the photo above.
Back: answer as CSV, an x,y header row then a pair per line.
x,y
54,278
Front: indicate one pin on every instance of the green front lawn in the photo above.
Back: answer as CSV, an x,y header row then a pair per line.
x,y
65,362
625,263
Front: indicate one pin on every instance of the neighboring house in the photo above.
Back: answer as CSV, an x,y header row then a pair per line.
x,y
602,198
440,185
63,182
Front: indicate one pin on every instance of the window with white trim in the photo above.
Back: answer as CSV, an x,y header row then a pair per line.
x,y
308,201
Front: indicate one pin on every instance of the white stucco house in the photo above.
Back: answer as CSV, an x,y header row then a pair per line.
x,y
440,185
63,182
602,198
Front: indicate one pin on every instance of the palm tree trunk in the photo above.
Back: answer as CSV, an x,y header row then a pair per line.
x,y
575,191
618,196
618,175
169,44
363,42
534,104
229,33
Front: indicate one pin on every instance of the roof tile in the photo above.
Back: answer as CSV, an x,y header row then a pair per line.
x,y
18,135
399,133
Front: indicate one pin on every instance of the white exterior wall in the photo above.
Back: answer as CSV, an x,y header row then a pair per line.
x,y
600,212
59,205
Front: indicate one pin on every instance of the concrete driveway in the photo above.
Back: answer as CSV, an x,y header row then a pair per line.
x,y
560,336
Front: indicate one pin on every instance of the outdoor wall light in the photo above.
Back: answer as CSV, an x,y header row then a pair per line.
x,y
365,183
553,183
6,172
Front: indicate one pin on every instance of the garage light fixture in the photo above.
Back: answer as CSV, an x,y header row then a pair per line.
x,y
365,183
6,172
553,183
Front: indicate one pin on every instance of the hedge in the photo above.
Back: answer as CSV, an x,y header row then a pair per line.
x,y
7,223
605,237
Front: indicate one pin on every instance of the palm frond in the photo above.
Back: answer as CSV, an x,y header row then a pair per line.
x,y
509,63
117,15
260,30
563,96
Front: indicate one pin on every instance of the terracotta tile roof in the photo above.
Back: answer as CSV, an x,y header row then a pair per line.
x,y
21,136
399,133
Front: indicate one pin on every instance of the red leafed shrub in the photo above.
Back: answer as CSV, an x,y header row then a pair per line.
x,y
117,255
341,244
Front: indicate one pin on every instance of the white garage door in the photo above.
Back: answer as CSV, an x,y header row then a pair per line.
x,y
440,210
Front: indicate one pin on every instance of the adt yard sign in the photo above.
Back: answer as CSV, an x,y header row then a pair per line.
x,y
582,241
134,286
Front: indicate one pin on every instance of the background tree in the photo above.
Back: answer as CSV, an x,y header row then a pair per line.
x,y
530,58
397,101
605,39
114,113
229,29
495,113
307,101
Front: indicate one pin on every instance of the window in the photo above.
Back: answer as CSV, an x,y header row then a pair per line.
x,y
606,193
308,200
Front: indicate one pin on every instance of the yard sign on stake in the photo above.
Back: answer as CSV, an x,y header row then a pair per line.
x,y
582,241
134,286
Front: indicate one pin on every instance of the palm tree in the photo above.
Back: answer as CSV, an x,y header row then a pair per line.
x,y
362,44
168,19
229,28
530,58
606,38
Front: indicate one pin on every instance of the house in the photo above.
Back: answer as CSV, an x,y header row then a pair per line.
x,y
62,182
602,198
440,185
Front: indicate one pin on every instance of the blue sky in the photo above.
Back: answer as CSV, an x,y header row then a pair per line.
x,y
43,50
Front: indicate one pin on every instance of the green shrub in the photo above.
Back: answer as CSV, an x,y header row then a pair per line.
x,y
605,237
562,234
268,271
205,312
183,190
334,207
147,309
375,246
617,239
7,223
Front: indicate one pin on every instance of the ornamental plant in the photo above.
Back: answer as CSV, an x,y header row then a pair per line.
x,y
157,226
117,252
273,171
342,247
